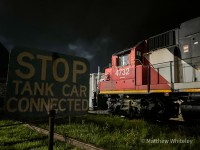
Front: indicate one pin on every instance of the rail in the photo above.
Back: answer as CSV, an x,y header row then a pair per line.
x,y
62,138
178,71
182,70
138,60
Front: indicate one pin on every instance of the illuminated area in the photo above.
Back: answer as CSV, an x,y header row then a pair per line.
x,y
156,78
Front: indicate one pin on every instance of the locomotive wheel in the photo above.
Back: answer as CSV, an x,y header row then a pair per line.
x,y
189,116
131,114
156,113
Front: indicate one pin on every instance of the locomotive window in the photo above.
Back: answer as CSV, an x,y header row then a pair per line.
x,y
138,55
123,60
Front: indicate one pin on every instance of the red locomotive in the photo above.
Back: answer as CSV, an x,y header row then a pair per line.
x,y
155,79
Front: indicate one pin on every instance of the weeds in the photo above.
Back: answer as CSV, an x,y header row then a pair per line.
x,y
112,133
118,133
18,137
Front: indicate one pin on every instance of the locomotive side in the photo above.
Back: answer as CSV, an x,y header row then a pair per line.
x,y
156,78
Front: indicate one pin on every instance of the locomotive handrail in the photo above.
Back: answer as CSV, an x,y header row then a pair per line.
x,y
178,60
189,62
140,62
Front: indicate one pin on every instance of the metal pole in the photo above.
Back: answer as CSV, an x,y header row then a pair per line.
x,y
171,71
148,77
51,128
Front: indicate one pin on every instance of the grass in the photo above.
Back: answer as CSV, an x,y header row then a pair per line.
x,y
19,137
117,133
112,133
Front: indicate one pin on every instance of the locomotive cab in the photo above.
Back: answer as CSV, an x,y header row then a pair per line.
x,y
127,73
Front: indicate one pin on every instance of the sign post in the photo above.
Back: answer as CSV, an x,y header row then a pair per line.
x,y
52,114
40,81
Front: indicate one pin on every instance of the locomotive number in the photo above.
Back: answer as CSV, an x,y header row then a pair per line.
x,y
122,72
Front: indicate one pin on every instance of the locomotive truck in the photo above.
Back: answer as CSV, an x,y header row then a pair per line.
x,y
157,78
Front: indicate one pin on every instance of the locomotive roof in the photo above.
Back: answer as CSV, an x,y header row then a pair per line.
x,y
126,50
159,41
122,52
189,27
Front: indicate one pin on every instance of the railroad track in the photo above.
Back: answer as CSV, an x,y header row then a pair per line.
x,y
62,138
173,124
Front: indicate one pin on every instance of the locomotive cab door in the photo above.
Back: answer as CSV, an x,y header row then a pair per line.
x,y
186,60
190,54
195,39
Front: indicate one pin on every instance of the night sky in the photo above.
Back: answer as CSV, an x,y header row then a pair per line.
x,y
94,29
